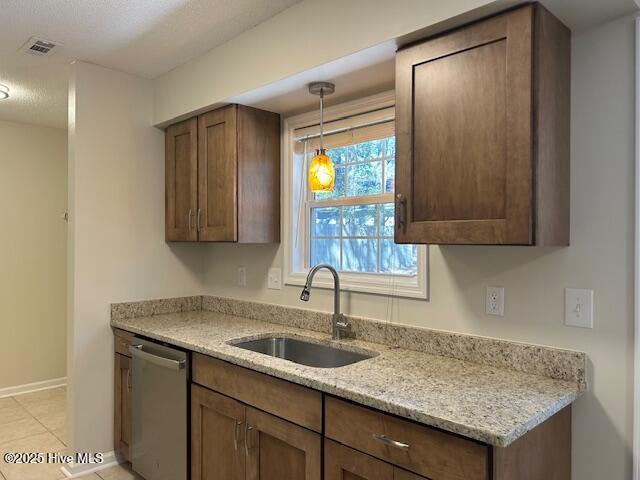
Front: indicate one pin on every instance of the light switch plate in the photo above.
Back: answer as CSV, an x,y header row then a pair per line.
x,y
495,301
578,307
274,279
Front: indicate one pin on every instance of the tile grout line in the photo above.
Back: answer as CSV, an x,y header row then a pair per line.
x,y
39,422
32,417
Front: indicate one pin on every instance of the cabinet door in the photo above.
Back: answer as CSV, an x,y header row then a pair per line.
x,y
464,135
217,450
344,463
122,403
399,474
277,449
218,175
181,181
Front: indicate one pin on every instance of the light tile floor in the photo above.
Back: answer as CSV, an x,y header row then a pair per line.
x,y
36,422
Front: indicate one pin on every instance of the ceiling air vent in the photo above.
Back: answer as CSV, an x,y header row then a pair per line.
x,y
39,46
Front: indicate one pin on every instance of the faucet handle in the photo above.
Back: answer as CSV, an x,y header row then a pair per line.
x,y
341,327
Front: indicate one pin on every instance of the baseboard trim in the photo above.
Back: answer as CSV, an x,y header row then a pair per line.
x,y
32,387
75,470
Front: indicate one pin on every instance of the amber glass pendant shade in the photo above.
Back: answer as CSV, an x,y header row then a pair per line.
x,y
321,173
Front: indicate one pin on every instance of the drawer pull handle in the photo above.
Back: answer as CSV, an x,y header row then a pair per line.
x,y
391,443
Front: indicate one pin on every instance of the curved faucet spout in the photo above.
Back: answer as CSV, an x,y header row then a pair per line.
x,y
340,327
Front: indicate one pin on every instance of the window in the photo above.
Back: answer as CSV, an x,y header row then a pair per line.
x,y
352,227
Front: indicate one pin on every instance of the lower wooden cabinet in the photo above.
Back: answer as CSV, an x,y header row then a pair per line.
x,y
429,452
217,444
344,463
277,449
122,402
232,441
246,425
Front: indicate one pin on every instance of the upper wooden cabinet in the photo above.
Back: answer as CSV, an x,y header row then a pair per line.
x,y
223,177
181,181
482,126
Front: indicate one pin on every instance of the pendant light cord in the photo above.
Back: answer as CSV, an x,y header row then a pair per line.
x,y
321,118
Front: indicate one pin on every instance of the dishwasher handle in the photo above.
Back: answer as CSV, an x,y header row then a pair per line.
x,y
136,351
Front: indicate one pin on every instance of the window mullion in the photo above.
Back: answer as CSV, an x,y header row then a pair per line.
x,y
341,232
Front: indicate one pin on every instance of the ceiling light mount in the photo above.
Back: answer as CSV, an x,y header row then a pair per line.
x,y
321,88
4,92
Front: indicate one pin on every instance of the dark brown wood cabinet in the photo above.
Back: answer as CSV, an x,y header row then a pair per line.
x,y
181,181
223,177
232,441
277,448
426,451
217,438
247,425
122,395
482,132
344,463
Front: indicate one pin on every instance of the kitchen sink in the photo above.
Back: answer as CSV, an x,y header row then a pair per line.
x,y
303,352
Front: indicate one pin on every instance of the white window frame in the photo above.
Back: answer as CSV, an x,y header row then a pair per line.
x,y
295,250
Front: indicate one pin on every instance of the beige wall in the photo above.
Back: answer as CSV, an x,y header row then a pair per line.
x,y
600,257
116,234
33,198
306,35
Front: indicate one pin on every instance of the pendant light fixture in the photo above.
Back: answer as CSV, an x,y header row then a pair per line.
x,y
321,173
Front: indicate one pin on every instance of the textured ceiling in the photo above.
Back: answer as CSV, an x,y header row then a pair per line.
x,y
142,37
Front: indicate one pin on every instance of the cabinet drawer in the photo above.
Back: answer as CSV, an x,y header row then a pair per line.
x,y
420,449
292,402
122,340
342,463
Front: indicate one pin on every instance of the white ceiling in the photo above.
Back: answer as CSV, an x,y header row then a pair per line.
x,y
150,37
142,37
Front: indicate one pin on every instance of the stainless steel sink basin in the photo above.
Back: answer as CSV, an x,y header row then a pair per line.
x,y
302,352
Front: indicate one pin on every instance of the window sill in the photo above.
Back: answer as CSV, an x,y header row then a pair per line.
x,y
388,285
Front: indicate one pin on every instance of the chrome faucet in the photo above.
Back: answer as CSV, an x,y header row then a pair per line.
x,y
340,327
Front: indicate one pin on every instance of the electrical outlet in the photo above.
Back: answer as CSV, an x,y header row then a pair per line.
x,y
495,301
242,276
274,279
578,307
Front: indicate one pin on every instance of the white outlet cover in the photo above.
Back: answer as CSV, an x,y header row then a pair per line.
x,y
242,276
578,307
274,279
494,304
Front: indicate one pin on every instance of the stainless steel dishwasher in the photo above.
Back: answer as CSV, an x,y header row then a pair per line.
x,y
159,411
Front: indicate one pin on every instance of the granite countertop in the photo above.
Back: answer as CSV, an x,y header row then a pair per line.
x,y
490,404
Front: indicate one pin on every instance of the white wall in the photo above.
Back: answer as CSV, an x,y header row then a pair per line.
x,y
116,234
600,257
33,197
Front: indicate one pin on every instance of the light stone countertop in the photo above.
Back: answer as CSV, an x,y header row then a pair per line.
x,y
489,404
